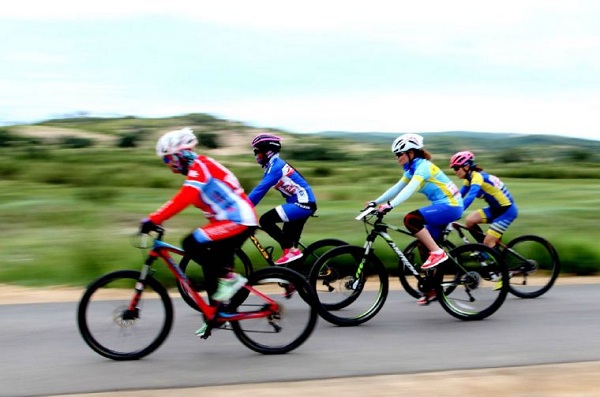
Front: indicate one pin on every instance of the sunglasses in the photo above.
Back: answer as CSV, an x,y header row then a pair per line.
x,y
456,167
400,154
170,158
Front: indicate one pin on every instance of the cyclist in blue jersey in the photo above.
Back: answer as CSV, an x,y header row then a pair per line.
x,y
426,223
299,204
501,210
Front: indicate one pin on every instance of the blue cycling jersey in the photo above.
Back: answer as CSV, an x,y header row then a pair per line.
x,y
425,177
286,180
479,184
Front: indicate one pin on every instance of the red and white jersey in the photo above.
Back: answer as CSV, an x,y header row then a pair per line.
x,y
213,189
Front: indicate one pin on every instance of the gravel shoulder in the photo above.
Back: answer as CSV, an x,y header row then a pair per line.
x,y
13,294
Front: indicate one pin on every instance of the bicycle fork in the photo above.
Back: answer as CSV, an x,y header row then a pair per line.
x,y
133,312
358,281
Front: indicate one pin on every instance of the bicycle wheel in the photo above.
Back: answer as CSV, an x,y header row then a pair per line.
x,y
285,330
313,251
409,282
350,288
533,265
474,276
194,273
113,331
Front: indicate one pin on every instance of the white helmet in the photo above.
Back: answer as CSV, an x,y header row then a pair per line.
x,y
175,141
406,142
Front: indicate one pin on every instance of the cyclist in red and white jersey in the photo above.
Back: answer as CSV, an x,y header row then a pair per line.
x,y
215,190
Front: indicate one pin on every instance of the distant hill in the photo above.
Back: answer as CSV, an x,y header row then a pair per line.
x,y
462,140
387,137
234,136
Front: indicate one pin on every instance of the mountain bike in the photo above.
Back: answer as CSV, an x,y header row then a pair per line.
x,y
243,265
352,283
532,261
128,314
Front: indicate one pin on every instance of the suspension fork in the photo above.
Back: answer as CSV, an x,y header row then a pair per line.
x,y
368,246
141,283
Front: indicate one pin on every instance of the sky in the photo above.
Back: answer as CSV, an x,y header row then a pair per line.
x,y
524,66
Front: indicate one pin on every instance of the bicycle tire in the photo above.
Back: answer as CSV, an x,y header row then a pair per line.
x,y
408,281
193,272
468,270
539,258
105,323
313,251
293,325
342,297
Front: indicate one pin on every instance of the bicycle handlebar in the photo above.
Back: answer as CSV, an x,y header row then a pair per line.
x,y
141,241
370,212
366,212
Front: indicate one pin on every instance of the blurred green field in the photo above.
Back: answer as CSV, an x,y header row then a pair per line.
x,y
56,234
68,215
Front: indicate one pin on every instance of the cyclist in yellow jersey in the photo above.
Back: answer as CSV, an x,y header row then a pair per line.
x,y
501,210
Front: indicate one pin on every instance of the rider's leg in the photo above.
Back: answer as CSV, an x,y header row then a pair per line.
x,y
500,220
268,222
293,230
294,217
472,222
415,223
213,247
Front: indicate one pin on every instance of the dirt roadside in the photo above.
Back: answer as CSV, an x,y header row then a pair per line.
x,y
559,380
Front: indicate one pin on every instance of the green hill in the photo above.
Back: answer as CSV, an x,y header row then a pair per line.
x,y
232,137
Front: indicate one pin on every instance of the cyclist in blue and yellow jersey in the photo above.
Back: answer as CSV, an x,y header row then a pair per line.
x,y
501,210
300,202
426,223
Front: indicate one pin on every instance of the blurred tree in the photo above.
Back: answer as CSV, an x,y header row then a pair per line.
x,y
75,142
512,155
580,155
208,140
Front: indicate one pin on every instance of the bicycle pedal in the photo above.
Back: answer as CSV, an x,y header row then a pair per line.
x,y
289,291
204,333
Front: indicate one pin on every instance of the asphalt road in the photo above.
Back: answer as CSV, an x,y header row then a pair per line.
x,y
42,353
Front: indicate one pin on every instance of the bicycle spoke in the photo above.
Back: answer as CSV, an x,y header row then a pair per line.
x,y
286,328
115,332
350,288
533,266
470,284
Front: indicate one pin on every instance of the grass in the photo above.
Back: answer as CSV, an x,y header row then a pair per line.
x,y
68,214
57,234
